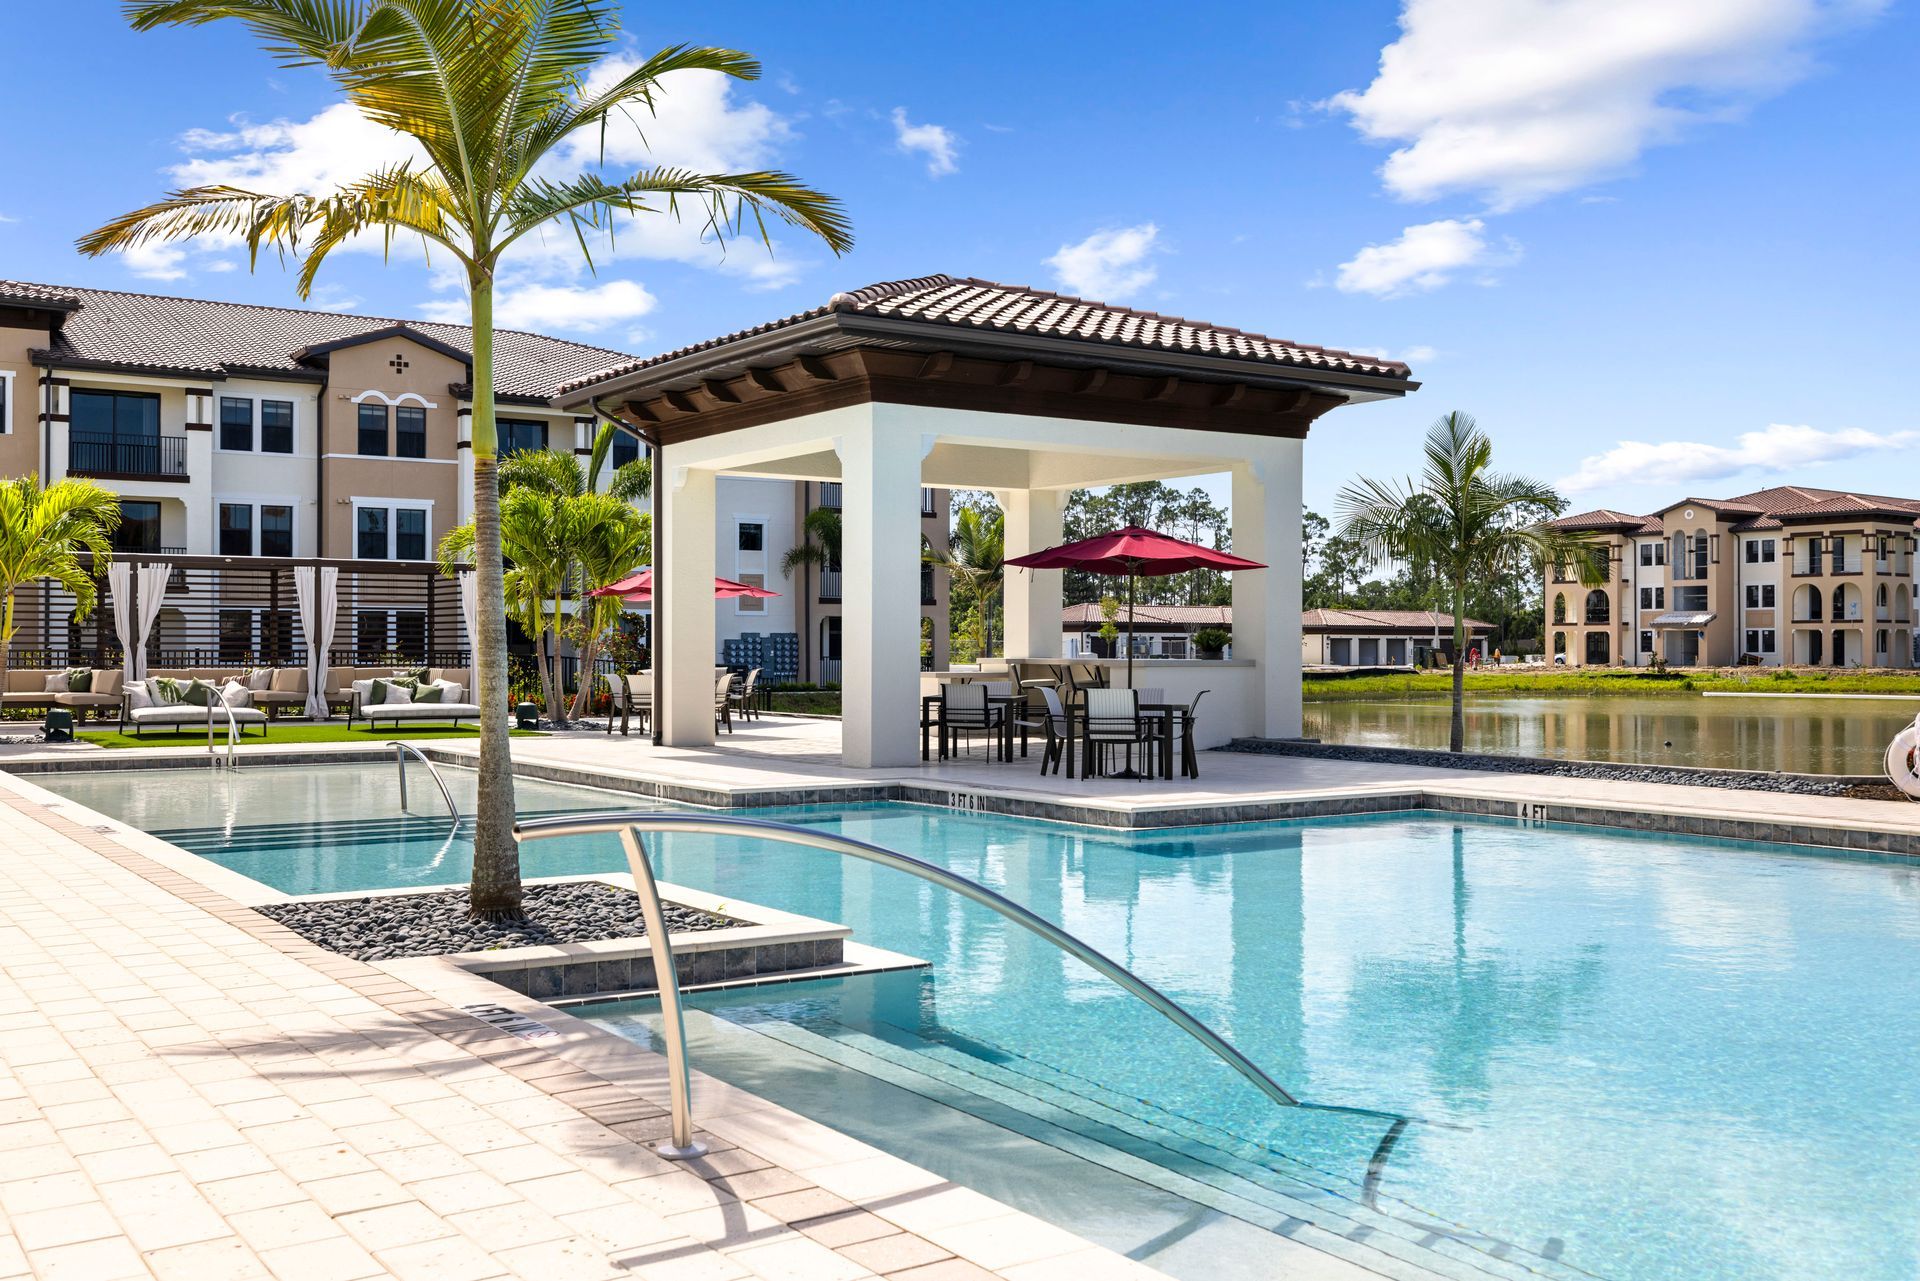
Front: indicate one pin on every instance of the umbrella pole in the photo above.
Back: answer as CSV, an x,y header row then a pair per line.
x,y
1130,629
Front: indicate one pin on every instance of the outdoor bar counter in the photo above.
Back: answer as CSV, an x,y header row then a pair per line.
x,y
1226,713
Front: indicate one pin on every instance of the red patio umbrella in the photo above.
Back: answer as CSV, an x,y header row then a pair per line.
x,y
1137,553
637,588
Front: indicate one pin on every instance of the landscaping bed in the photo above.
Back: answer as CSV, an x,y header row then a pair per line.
x,y
382,927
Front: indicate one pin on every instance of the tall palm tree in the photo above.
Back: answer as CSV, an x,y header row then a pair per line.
x,y
493,91
42,533
1464,522
974,553
819,543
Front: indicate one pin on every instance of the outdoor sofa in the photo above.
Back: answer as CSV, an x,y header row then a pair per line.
x,y
80,690
141,709
449,707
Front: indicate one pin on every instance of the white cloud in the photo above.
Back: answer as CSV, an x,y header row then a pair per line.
x,y
156,261
1515,100
1779,447
1108,265
1424,257
939,144
1418,354
697,124
582,309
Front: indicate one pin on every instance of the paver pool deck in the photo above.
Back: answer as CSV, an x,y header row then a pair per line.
x,y
188,1090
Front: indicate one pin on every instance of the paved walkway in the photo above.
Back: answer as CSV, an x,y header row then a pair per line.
x,y
189,1091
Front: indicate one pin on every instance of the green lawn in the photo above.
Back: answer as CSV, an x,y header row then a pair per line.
x,y
1617,682
807,702
281,733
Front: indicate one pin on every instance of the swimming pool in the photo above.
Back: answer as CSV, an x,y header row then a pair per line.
x,y
1626,1056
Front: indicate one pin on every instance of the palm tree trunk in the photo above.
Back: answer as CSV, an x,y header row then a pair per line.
x,y
495,892
6,639
557,691
1457,733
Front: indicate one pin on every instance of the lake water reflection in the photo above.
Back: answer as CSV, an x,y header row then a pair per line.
x,y
1792,733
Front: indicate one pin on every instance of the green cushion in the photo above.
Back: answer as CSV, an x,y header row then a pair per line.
x,y
200,694
166,690
418,675
428,694
79,680
378,694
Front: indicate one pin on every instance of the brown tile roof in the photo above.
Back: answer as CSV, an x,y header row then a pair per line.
x,y
20,294
199,336
1089,615
1333,620
1602,518
981,304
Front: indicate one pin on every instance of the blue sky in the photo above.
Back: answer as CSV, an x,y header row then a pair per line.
x,y
1634,238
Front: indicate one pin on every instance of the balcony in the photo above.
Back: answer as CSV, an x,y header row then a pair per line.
x,y
1808,568
830,495
146,458
926,586
829,587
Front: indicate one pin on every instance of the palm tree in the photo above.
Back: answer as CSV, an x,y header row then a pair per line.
x,y
565,538
493,92
1463,521
973,555
819,544
42,533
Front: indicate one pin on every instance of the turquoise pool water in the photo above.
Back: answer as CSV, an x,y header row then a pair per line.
x,y
1623,1056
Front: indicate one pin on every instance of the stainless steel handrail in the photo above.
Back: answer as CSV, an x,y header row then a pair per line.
x,y
631,823
233,733
400,751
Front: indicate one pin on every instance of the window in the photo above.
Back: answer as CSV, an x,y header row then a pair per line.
x,y
1766,551
410,534
236,635
370,635
236,529
1690,600
1699,554
373,431
1759,551
276,427
626,449
1598,609
752,536
1766,640
6,401
518,435
1646,642
139,527
1760,596
1653,598
410,635
370,524
236,423
409,432
276,635
1653,553
276,531
119,431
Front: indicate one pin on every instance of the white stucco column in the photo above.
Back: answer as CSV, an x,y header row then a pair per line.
x,y
880,597
683,608
1032,595
1266,602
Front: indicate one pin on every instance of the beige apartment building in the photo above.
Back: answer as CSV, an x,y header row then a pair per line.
x,y
249,433
1790,575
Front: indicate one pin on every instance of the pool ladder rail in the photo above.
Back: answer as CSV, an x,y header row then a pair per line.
x,y
232,762
633,824
400,753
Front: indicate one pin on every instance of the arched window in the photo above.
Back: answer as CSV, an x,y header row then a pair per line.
x,y
1839,602
1808,608
1598,607
1559,607
1880,596
1559,643
1699,553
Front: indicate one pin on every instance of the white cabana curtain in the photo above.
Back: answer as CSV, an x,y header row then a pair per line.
x,y
153,593
318,599
119,575
133,632
470,615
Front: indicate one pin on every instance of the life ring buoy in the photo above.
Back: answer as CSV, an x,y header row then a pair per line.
x,y
1903,761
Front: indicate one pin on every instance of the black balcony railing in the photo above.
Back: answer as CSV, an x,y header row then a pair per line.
x,y
829,585
830,494
926,586
97,453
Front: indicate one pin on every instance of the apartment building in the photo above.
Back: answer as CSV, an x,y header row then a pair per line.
x,y
231,430
1790,575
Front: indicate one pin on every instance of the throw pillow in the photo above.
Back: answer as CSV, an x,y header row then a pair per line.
x,y
107,681
429,693
137,695
234,694
418,675
398,692
376,693
79,680
450,691
167,691
57,683
260,678
199,693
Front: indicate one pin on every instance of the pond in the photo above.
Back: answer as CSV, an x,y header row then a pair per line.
x,y
1804,735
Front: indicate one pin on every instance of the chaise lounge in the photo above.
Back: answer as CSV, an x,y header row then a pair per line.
x,y
140,710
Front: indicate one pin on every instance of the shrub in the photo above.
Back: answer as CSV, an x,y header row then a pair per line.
x,y
1212,639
